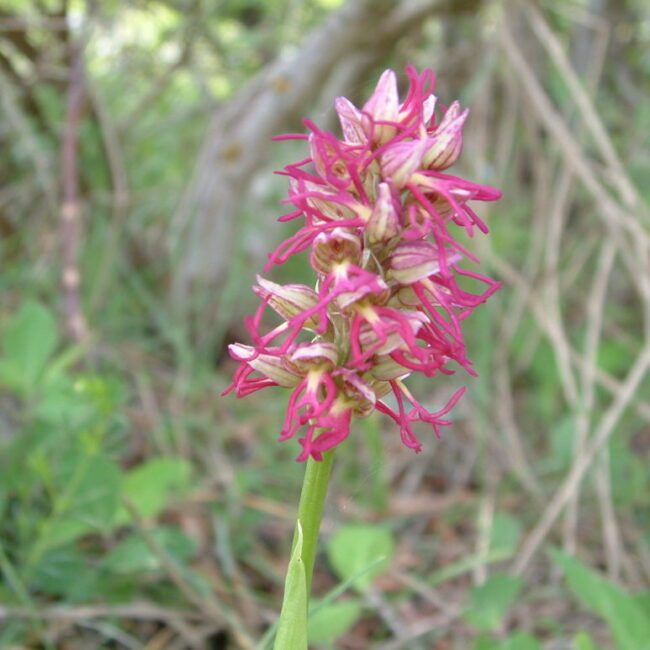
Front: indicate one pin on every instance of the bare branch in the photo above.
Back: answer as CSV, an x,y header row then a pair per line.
x,y
583,461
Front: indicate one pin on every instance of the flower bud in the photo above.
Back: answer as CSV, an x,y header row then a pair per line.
x,y
383,106
328,160
334,247
271,366
288,300
373,289
308,356
359,393
383,224
394,336
381,388
401,160
384,368
447,141
413,261
320,199
354,123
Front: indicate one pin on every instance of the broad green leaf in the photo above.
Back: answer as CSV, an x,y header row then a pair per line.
x,y
583,642
355,547
490,601
152,485
341,588
87,504
133,554
62,407
628,622
333,621
642,599
27,345
58,572
292,627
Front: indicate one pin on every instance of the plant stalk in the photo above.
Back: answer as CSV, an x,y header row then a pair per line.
x,y
311,507
291,631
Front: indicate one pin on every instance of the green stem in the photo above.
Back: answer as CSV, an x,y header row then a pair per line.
x,y
292,624
311,507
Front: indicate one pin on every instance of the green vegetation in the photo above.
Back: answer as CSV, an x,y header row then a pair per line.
x,y
139,509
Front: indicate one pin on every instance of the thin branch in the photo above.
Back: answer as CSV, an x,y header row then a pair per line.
x,y
583,461
614,215
591,120
137,611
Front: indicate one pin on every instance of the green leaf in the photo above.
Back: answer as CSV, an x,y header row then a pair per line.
x,y
27,344
627,621
333,621
642,599
152,485
490,601
355,547
583,642
59,571
62,407
88,503
292,627
133,554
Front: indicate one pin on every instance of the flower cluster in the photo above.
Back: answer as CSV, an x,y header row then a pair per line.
x,y
387,302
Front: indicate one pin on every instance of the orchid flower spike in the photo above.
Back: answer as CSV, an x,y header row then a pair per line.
x,y
387,302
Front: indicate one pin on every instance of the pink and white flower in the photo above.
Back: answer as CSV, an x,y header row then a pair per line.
x,y
378,218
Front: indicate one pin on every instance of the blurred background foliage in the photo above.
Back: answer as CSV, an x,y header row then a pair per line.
x,y
140,510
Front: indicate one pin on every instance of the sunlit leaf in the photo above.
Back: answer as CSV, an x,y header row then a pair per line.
x,y
333,621
355,547
27,345
152,485
628,622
